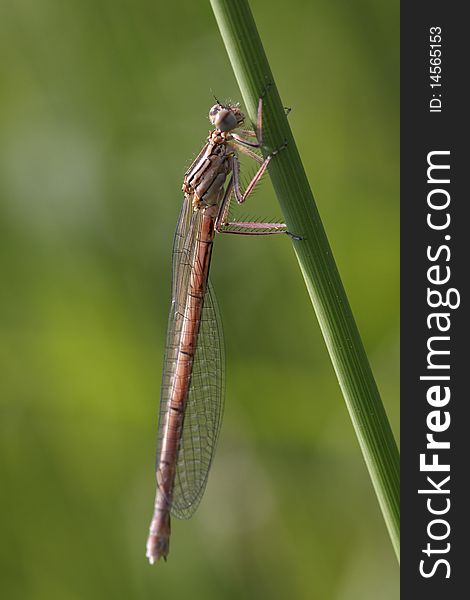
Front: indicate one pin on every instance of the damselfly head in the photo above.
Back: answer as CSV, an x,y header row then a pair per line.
x,y
226,117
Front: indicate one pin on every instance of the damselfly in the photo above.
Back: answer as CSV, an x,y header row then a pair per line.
x,y
193,374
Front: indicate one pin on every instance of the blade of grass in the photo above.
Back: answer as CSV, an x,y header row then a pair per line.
x,y
316,261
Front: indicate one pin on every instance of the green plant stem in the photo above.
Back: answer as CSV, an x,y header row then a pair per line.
x,y
315,258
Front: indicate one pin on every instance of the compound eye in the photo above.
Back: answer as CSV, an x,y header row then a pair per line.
x,y
214,111
228,122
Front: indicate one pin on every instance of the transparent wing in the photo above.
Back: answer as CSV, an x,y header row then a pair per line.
x,y
203,413
205,399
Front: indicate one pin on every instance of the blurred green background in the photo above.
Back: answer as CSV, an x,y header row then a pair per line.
x,y
103,106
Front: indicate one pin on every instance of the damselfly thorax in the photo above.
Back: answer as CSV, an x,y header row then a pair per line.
x,y
204,181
